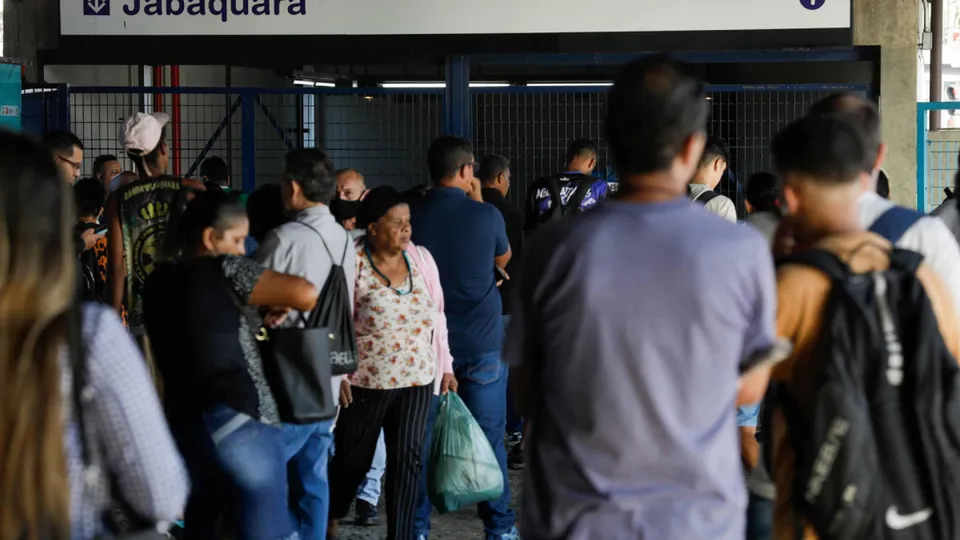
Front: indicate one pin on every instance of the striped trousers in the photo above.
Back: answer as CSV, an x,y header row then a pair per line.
x,y
402,414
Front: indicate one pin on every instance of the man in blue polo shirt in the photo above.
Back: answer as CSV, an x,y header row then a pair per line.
x,y
468,239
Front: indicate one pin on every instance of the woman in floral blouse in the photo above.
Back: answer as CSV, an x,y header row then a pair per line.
x,y
404,359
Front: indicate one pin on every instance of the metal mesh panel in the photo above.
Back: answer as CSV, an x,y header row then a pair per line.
x,y
96,117
43,109
941,169
532,127
384,136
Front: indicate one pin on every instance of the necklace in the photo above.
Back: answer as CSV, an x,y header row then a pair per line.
x,y
384,276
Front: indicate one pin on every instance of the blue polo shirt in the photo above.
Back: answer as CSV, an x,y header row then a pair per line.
x,y
464,236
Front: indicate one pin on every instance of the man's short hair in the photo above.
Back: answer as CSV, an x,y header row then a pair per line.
x,y
313,170
447,155
491,167
827,148
714,149
90,196
61,141
654,107
101,162
581,148
861,113
215,170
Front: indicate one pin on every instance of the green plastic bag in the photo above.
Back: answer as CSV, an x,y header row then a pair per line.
x,y
463,469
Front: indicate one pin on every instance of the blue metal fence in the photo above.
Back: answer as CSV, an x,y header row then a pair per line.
x,y
937,153
384,133
532,126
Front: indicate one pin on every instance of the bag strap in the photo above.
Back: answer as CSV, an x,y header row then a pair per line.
x,y
78,367
556,201
895,222
346,246
583,188
822,260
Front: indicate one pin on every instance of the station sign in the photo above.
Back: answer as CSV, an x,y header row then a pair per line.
x,y
434,17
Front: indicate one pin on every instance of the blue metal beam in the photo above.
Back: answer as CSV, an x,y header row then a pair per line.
x,y
253,91
249,137
795,55
458,110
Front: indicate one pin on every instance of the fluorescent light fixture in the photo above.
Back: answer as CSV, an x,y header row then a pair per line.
x,y
323,84
569,84
489,85
413,85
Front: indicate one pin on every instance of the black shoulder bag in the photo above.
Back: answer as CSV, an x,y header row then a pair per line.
x,y
119,519
299,362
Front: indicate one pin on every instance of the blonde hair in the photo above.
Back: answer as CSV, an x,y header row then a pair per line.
x,y
37,286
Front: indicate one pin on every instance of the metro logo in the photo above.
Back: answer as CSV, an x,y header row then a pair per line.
x,y
221,8
813,4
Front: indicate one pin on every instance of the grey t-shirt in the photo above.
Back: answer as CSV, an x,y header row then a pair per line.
x,y
633,322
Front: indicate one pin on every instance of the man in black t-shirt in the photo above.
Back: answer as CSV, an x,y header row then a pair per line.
x,y
570,192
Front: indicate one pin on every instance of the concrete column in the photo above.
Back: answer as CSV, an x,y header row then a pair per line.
x,y
893,24
30,26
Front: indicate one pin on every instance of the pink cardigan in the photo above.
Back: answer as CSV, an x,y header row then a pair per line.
x,y
431,274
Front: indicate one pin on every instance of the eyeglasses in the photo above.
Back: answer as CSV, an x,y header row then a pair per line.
x,y
75,164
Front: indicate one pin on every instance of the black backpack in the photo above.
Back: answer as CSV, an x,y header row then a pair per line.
x,y
558,210
878,451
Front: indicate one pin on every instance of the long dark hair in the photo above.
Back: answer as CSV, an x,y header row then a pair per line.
x,y
38,278
193,213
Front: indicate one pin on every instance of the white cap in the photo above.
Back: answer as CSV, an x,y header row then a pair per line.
x,y
141,132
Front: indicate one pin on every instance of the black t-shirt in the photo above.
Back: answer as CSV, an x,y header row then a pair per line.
x,y
513,219
194,326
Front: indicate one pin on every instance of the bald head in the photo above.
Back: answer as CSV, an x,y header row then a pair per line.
x,y
350,185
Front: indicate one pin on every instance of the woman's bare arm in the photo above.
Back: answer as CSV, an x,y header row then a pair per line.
x,y
283,290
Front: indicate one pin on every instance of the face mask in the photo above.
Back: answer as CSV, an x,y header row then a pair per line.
x,y
343,210
114,184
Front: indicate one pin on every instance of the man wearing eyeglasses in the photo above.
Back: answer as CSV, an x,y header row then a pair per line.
x,y
468,239
67,150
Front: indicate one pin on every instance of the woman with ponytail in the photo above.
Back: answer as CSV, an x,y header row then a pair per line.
x,y
218,403
80,424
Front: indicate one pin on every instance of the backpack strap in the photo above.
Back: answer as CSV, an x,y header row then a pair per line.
x,y
905,260
822,260
895,222
704,197
583,188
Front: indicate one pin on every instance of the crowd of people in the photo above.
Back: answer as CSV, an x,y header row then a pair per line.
x,y
667,379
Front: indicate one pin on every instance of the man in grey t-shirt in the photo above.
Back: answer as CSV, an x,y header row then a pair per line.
x,y
627,361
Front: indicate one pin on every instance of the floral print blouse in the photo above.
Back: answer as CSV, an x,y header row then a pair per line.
x,y
394,331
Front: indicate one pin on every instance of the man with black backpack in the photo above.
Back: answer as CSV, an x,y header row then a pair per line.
x,y
568,193
713,165
865,412
312,246
904,227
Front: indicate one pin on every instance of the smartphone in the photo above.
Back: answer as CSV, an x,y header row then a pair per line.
x,y
501,274
100,231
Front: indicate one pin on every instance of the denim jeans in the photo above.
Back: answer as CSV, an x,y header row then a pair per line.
x,y
307,448
514,419
236,467
483,388
370,488
759,518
